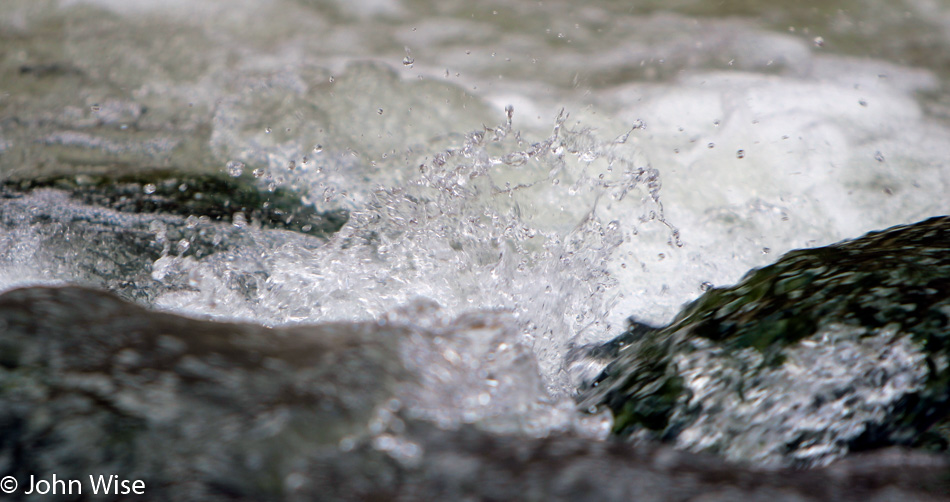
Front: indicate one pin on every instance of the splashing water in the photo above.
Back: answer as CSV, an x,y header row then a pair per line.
x,y
498,251
498,224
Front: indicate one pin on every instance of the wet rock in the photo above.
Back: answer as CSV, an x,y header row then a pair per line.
x,y
90,384
469,464
830,350
217,198
118,238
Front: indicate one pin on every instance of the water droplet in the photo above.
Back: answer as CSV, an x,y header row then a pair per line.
x,y
183,246
819,42
235,168
183,187
766,250
318,149
95,108
878,156
332,79
292,165
149,189
258,172
380,111
711,145
862,102
740,154
515,159
407,61
267,130
706,286
194,279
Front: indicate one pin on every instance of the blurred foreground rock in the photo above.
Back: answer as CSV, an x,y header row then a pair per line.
x,y
90,384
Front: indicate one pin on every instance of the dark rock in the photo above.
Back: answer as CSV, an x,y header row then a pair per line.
x,y
829,350
90,384
111,234
469,464
218,198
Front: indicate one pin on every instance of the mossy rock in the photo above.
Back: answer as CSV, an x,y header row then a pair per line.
x,y
217,197
829,350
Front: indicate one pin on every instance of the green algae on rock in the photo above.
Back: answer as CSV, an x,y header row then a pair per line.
x,y
829,350
142,237
215,196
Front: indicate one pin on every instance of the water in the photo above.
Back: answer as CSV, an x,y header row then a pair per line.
x,y
519,179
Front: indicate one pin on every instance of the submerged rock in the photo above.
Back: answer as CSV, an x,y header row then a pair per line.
x,y
829,350
197,410
199,195
118,232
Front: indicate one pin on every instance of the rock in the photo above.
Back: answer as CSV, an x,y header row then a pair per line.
x,y
102,241
215,197
92,385
830,350
468,464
